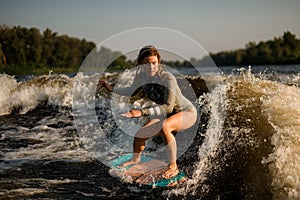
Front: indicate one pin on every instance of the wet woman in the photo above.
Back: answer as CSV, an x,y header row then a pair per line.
x,y
172,113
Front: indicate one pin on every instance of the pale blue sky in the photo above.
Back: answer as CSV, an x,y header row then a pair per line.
x,y
216,25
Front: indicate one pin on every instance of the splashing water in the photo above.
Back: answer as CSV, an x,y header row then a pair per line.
x,y
248,147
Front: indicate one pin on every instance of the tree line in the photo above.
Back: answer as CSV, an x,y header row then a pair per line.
x,y
28,51
280,50
24,50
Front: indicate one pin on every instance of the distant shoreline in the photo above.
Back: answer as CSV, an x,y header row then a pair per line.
x,y
28,51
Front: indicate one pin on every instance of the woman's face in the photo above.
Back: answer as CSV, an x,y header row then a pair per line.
x,y
151,65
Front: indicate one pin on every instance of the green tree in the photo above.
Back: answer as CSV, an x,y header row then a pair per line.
x,y
291,48
2,57
27,50
33,47
277,50
48,48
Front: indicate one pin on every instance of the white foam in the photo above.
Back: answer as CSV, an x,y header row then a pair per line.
x,y
25,96
8,84
217,106
282,106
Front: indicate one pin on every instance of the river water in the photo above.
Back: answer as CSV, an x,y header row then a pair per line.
x,y
57,136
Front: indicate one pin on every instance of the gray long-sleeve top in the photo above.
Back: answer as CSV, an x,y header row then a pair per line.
x,y
162,89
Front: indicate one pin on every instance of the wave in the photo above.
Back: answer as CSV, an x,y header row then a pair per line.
x,y
24,96
249,147
57,90
256,151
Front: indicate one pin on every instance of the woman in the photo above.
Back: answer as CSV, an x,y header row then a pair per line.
x,y
173,112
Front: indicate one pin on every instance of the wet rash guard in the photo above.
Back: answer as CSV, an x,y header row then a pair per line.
x,y
161,89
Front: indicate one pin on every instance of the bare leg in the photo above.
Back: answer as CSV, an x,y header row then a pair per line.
x,y
177,122
138,147
150,129
170,141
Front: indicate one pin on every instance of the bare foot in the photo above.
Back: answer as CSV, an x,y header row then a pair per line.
x,y
130,162
171,172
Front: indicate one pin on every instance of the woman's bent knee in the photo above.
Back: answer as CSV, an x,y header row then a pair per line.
x,y
166,128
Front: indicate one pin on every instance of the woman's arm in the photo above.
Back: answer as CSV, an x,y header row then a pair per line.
x,y
138,81
133,113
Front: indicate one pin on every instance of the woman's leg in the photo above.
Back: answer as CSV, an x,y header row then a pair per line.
x,y
177,122
150,129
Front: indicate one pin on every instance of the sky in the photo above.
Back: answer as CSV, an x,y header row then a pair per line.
x,y
216,25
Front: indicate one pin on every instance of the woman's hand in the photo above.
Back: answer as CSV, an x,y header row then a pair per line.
x,y
133,113
102,84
